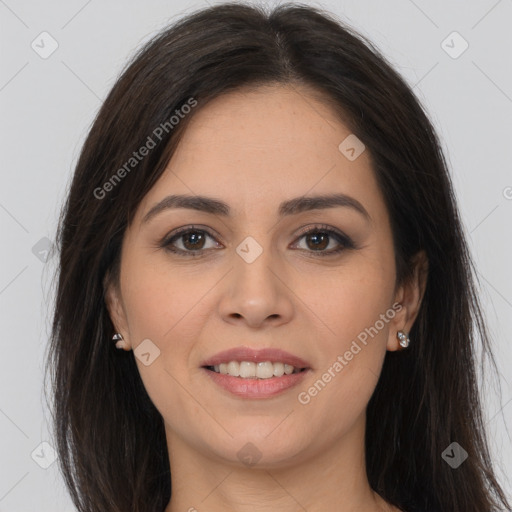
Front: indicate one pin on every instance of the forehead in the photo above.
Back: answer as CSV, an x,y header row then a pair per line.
x,y
256,147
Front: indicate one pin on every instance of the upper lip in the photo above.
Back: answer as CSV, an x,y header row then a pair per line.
x,y
273,355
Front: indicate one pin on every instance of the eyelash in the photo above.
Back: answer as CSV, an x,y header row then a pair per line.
x,y
345,241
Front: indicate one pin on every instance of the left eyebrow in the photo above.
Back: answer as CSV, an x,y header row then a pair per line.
x,y
289,207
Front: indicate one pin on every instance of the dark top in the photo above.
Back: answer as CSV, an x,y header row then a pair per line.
x,y
416,508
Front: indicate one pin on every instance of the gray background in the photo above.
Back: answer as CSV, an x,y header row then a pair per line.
x,y
48,104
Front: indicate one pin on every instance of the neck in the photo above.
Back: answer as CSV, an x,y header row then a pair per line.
x,y
333,480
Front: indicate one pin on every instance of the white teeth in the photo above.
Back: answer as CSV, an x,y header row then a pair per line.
x,y
233,368
251,370
265,370
278,369
247,369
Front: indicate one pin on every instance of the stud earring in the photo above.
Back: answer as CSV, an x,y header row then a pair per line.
x,y
403,339
118,338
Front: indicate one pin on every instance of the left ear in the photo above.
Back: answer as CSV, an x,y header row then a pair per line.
x,y
409,296
116,310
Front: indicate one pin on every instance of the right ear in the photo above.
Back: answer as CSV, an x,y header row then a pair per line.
x,y
116,309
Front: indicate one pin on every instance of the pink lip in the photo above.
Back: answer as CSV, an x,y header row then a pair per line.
x,y
256,388
273,355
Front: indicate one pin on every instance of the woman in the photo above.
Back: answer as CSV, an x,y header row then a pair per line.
x,y
265,299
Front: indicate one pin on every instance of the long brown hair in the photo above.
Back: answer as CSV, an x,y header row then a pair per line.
x,y
110,437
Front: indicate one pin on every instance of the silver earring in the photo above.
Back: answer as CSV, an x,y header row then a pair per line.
x,y
403,338
118,338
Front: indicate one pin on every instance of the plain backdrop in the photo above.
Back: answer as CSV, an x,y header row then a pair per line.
x,y
49,101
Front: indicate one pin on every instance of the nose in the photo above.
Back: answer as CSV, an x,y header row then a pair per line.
x,y
257,293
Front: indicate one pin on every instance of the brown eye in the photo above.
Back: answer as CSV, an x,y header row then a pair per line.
x,y
193,240
317,241
188,241
319,238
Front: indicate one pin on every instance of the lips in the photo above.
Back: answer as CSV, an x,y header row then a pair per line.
x,y
256,389
273,355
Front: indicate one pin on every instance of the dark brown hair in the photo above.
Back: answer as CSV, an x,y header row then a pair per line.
x,y
110,437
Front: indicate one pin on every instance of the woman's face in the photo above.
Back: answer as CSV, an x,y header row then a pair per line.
x,y
252,277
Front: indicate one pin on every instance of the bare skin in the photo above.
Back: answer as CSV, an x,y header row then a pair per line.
x,y
253,150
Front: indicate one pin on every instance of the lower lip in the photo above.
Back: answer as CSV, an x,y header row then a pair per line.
x,y
256,388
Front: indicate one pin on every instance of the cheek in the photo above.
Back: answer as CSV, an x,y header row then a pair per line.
x,y
161,300
352,311
162,305
351,361
348,302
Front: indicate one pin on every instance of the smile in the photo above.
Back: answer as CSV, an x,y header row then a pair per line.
x,y
251,370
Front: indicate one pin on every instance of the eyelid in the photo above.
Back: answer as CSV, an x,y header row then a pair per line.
x,y
320,227
191,227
